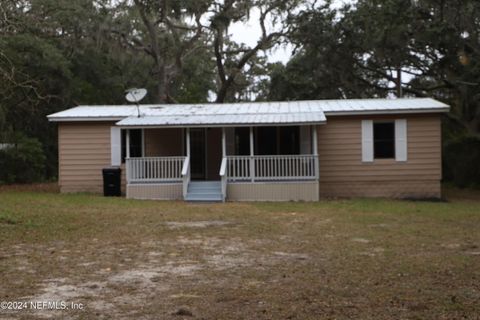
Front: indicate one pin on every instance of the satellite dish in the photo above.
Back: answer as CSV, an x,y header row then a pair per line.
x,y
135,95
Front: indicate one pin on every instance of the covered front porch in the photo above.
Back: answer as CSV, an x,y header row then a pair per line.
x,y
218,163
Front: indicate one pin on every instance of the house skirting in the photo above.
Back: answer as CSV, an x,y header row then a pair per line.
x,y
155,191
297,191
382,189
273,191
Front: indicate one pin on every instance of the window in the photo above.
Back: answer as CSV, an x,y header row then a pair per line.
x,y
136,143
283,140
384,140
289,140
266,141
242,141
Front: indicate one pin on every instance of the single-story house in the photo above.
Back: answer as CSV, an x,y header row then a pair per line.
x,y
274,151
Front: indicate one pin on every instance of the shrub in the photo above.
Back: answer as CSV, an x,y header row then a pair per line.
x,y
23,161
461,162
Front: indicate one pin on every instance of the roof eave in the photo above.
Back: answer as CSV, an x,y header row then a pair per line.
x,y
384,112
219,125
78,119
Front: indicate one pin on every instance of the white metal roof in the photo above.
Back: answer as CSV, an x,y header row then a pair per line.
x,y
382,106
225,119
85,113
256,113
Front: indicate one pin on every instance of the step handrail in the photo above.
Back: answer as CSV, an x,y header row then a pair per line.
x,y
186,176
223,177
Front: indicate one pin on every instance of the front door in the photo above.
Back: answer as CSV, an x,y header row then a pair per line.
x,y
197,153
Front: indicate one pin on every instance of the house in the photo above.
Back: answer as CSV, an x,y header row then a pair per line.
x,y
275,151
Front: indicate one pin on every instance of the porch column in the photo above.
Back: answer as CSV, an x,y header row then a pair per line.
x,y
224,143
128,164
127,144
143,142
315,150
188,141
252,163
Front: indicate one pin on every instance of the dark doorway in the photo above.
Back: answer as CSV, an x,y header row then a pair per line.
x,y
197,153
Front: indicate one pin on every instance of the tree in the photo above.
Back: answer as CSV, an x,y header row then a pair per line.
x,y
231,59
379,48
174,34
171,34
324,62
55,54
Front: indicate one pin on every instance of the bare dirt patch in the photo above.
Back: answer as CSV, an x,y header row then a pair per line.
x,y
196,224
360,240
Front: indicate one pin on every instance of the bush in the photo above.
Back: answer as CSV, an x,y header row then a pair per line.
x,y
23,162
461,162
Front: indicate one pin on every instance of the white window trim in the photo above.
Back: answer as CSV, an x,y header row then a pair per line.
x,y
401,142
367,140
115,146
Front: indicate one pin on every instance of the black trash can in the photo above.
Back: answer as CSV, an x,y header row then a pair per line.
x,y
112,181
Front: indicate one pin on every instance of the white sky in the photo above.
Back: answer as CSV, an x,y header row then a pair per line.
x,y
249,33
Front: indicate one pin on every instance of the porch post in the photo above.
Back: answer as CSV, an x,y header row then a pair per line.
x,y
252,163
128,164
143,142
127,143
315,149
224,143
188,141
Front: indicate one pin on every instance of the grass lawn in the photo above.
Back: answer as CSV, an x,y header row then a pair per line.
x,y
126,259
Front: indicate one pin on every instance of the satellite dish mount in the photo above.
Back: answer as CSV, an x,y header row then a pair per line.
x,y
134,95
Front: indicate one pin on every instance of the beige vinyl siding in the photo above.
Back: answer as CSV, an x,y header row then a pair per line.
x,y
342,172
83,151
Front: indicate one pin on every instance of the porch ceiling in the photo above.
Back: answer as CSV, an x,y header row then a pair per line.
x,y
244,119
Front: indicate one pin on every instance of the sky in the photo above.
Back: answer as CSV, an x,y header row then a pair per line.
x,y
249,33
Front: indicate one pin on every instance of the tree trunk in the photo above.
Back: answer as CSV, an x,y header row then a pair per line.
x,y
162,90
399,83
222,93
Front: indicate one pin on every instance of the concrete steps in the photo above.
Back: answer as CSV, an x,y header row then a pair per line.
x,y
207,191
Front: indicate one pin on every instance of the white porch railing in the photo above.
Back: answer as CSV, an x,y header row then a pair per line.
x,y
233,168
271,168
154,169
